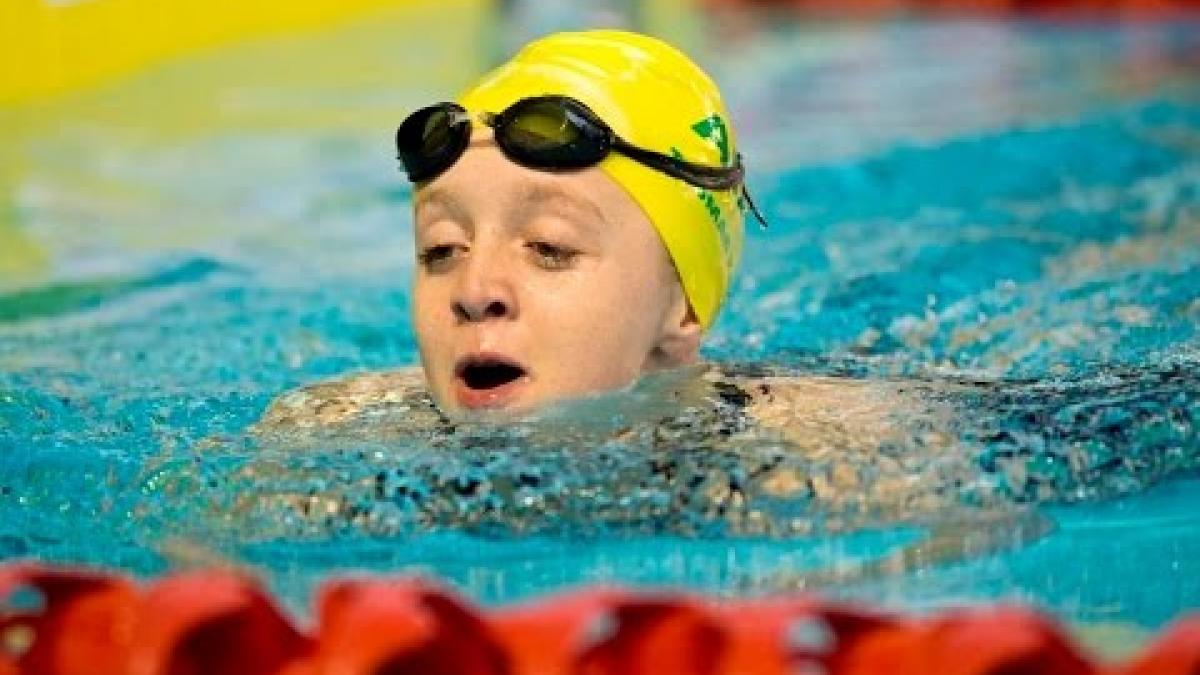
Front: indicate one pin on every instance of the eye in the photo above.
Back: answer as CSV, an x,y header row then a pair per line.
x,y
552,256
437,257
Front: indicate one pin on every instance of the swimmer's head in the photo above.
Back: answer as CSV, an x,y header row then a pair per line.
x,y
656,98
552,265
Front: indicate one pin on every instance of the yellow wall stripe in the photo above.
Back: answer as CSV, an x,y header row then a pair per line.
x,y
52,46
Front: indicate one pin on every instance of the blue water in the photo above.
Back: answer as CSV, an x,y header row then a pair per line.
x,y
1010,204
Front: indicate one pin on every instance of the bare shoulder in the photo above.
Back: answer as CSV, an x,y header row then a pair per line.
x,y
333,402
823,413
875,445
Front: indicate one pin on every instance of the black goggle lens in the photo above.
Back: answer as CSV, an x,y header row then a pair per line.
x,y
436,136
550,133
431,139
539,127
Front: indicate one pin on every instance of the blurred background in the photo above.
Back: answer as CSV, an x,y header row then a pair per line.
x,y
103,101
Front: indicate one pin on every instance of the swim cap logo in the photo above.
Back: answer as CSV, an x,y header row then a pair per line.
x,y
713,129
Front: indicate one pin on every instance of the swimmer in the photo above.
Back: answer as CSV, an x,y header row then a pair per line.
x,y
578,217
576,235
575,232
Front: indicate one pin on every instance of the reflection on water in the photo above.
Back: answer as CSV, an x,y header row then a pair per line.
x,y
1003,217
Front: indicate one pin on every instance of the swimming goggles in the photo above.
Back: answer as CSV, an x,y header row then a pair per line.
x,y
552,133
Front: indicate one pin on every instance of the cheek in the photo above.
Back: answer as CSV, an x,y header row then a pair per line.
x,y
609,311
428,315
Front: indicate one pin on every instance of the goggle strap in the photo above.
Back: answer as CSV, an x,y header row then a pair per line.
x,y
754,208
699,175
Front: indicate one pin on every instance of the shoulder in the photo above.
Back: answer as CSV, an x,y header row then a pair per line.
x,y
867,445
775,397
818,413
334,402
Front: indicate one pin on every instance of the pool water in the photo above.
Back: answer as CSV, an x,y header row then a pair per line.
x,y
1010,204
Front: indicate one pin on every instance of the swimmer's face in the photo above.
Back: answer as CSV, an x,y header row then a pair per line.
x,y
531,287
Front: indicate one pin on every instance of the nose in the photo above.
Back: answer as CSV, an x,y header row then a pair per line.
x,y
485,292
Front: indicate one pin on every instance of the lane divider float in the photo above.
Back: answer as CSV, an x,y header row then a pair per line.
x,y
65,621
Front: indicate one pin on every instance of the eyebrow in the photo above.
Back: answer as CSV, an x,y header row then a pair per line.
x,y
541,194
527,199
427,197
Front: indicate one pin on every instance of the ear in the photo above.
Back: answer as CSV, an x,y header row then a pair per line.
x,y
680,336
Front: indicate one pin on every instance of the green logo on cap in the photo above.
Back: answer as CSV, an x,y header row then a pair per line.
x,y
713,129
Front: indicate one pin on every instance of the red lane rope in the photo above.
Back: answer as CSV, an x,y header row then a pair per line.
x,y
94,623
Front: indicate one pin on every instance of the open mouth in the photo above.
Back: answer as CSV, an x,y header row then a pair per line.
x,y
488,374
488,381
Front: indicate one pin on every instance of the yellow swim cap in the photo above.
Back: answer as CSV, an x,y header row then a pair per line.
x,y
654,97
